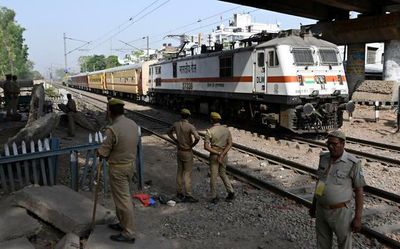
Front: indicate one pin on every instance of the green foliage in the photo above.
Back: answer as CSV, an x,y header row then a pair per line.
x,y
97,62
112,61
13,51
51,92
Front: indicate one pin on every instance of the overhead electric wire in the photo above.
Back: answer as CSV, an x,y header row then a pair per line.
x,y
204,26
132,22
129,20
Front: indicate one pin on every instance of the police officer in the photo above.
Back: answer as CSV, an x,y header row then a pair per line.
x,y
184,141
339,174
71,109
218,141
14,93
7,93
119,149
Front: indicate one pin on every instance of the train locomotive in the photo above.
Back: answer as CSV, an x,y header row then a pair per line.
x,y
293,80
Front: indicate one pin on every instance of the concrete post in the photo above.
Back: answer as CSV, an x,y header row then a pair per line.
x,y
391,65
355,66
376,111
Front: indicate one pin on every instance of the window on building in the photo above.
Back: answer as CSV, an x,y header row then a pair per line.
x,y
226,66
371,55
303,56
328,56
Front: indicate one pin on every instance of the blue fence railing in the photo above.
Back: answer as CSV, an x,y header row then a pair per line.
x,y
38,164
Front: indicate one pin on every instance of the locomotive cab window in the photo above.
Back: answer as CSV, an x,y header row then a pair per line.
x,y
328,56
303,57
260,60
272,59
226,66
174,70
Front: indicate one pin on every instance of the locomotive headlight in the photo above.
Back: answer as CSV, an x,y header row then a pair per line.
x,y
320,79
300,79
316,79
308,109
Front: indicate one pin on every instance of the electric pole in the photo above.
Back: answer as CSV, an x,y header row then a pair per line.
x,y
65,55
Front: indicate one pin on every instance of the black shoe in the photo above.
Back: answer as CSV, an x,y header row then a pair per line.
x,y
116,227
180,196
122,238
230,197
215,200
190,199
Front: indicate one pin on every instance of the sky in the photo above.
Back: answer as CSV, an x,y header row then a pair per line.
x,y
99,26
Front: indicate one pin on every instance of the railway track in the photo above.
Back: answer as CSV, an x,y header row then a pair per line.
x,y
159,127
391,150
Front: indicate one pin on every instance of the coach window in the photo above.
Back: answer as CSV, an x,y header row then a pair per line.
x,y
260,59
226,66
174,70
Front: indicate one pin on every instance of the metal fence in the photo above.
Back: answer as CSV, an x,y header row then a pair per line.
x,y
23,165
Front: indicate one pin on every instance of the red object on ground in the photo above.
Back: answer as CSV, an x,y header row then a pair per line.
x,y
143,198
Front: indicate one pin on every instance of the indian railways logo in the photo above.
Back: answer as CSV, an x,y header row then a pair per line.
x,y
188,69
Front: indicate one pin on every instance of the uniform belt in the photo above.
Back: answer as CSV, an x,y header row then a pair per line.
x,y
219,149
335,206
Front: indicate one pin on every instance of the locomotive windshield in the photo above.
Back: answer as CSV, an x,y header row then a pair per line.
x,y
303,56
328,56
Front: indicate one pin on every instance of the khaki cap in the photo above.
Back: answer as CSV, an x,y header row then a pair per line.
x,y
215,116
185,111
115,102
338,134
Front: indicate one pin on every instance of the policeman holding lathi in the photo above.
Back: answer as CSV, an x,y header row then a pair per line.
x,y
119,149
339,176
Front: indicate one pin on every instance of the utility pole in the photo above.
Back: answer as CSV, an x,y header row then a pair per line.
x,y
65,55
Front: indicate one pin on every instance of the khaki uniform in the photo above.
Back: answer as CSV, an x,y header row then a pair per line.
x,y
120,148
333,194
71,109
184,131
217,136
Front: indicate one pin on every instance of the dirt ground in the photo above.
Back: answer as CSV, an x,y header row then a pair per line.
x,y
256,219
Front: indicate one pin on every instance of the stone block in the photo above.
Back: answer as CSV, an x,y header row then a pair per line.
x,y
21,243
11,220
64,208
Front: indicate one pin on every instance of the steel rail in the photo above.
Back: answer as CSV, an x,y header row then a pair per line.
x,y
264,185
373,144
373,157
279,160
297,166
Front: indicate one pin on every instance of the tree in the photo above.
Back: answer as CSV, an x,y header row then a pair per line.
x,y
112,61
97,62
13,51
